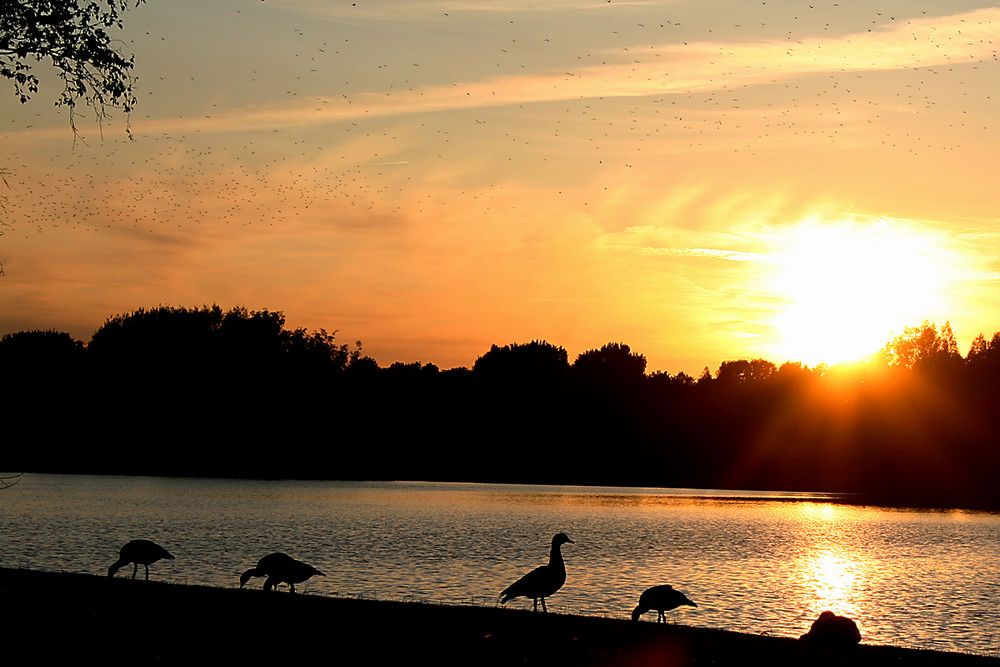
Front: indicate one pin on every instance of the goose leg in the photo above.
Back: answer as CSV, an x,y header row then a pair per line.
x,y
543,606
135,569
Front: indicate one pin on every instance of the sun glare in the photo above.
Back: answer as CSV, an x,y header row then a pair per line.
x,y
832,580
850,286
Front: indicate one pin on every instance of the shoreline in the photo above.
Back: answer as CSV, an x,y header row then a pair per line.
x,y
63,615
791,495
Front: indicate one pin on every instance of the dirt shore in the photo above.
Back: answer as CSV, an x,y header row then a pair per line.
x,y
49,616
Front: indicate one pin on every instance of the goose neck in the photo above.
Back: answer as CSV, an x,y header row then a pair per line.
x,y
555,556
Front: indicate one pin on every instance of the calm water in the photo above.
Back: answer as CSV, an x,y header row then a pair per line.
x,y
753,562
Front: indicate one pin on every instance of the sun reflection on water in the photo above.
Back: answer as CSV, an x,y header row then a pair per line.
x,y
831,572
830,579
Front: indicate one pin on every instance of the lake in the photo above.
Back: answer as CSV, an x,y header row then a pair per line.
x,y
754,562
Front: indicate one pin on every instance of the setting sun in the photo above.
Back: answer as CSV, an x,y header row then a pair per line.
x,y
851,285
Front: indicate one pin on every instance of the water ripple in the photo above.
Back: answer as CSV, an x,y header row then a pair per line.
x,y
753,564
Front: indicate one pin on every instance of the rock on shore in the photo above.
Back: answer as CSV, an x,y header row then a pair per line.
x,y
54,616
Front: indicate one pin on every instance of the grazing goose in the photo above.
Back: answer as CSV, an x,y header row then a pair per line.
x,y
662,599
542,581
278,568
139,552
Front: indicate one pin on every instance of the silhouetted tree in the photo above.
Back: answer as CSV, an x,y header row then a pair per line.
x,y
683,379
73,35
412,372
36,358
37,345
612,366
316,353
794,373
251,335
362,367
743,371
984,352
517,403
534,361
159,340
923,346
659,380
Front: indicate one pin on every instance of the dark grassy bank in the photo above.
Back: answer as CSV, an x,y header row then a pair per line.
x,y
50,616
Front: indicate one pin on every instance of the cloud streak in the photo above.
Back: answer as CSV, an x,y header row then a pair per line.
x,y
709,253
670,69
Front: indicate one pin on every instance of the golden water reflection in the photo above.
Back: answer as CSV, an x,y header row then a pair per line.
x,y
831,572
753,562
829,582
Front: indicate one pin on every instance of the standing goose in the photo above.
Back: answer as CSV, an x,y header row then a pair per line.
x,y
662,599
543,581
278,568
139,552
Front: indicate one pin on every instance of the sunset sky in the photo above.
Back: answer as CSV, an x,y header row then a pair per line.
x,y
702,180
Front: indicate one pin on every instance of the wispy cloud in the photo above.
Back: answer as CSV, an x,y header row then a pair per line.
x,y
660,70
666,69
437,9
711,253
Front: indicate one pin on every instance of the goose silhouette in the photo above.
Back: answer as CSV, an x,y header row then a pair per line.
x,y
662,599
139,552
278,568
543,581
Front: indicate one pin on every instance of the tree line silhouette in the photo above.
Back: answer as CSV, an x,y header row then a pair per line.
x,y
207,392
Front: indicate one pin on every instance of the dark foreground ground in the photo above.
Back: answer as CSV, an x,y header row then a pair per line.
x,y
48,617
